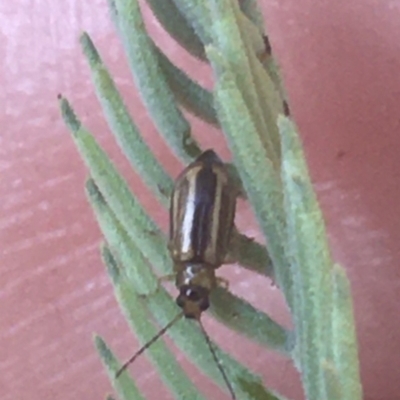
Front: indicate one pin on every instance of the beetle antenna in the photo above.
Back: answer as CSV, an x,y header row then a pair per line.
x,y
148,344
217,361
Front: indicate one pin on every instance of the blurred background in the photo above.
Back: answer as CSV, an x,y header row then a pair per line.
x,y
340,61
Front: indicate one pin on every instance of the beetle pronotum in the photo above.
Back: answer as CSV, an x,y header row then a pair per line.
x,y
202,212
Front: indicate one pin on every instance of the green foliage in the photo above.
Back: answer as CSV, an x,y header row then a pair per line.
x,y
248,104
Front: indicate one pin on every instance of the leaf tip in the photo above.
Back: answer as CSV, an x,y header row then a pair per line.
x,y
101,347
93,192
89,49
68,114
110,262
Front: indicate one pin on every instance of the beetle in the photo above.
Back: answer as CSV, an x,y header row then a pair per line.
x,y
201,214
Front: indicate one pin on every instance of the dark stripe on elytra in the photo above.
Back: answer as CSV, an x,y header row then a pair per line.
x,y
226,219
176,215
206,182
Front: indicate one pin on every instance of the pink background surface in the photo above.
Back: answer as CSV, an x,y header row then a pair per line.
x,y
341,62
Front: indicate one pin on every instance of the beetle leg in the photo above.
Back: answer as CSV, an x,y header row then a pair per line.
x,y
165,278
236,246
222,283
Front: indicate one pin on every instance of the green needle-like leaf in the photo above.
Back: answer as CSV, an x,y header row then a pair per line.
x,y
241,316
151,83
251,9
177,26
312,268
258,175
124,386
344,340
190,94
187,92
250,80
123,128
198,14
117,193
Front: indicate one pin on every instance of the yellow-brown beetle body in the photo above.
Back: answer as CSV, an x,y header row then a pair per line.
x,y
202,213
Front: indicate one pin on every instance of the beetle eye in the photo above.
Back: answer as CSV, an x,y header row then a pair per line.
x,y
180,301
193,295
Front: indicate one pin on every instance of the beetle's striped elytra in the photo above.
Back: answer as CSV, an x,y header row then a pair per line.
x,y
202,213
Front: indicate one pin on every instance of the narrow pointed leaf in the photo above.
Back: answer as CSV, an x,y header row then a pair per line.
x,y
125,387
